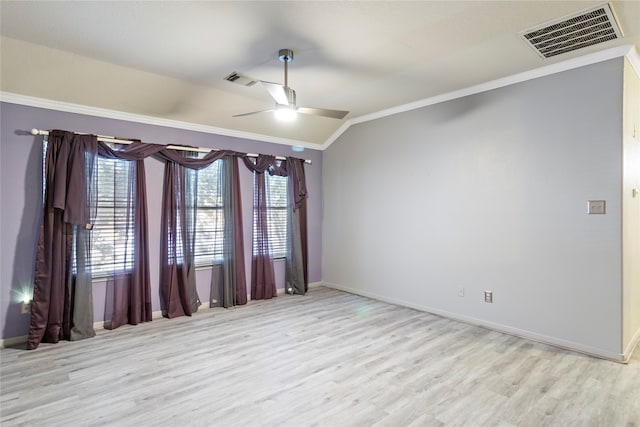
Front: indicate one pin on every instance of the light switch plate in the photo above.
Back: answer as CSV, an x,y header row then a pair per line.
x,y
596,207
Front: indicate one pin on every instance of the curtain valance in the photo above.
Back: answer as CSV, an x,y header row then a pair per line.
x,y
139,150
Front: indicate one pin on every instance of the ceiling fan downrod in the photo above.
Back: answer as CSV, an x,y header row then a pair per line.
x,y
286,56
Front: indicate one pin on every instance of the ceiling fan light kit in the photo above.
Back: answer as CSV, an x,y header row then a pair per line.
x,y
285,113
284,97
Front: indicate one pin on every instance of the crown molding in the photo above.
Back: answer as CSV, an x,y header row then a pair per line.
x,y
634,59
625,50
628,51
31,101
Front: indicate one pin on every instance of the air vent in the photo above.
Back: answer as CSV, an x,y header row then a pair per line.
x,y
240,79
587,28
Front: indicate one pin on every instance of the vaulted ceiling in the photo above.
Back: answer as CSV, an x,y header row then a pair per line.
x,y
168,60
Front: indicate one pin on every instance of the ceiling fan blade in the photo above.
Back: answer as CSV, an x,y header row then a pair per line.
x,y
334,114
277,92
252,113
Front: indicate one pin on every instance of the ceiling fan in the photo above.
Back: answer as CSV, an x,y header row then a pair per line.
x,y
284,96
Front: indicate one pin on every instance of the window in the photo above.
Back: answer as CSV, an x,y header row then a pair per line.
x,y
277,214
112,238
209,215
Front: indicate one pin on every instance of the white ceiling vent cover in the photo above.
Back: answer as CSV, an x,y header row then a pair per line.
x,y
586,28
240,79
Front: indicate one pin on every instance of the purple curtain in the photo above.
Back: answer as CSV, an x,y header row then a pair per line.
x,y
297,277
140,296
174,285
228,279
263,282
238,239
304,242
67,203
297,181
132,291
190,195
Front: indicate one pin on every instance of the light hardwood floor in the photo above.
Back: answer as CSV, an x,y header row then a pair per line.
x,y
325,359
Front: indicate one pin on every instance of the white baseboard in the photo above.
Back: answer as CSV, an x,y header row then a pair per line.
x,y
10,342
521,333
635,340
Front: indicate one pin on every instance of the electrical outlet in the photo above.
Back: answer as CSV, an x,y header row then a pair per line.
x,y
25,307
461,292
488,296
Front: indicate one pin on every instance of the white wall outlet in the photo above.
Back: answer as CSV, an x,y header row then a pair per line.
x,y
488,296
461,291
25,307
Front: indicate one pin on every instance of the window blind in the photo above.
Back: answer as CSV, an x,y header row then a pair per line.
x,y
277,215
112,246
209,228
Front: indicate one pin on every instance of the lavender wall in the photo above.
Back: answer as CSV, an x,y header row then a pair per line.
x,y
21,188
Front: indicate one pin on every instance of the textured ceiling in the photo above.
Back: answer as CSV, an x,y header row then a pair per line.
x,y
168,59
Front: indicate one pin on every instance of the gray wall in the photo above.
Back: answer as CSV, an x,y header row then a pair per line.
x,y
489,192
20,198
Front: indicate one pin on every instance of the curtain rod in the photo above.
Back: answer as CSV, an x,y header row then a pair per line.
x,y
105,138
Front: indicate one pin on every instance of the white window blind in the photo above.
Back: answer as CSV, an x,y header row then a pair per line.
x,y
112,238
209,227
277,215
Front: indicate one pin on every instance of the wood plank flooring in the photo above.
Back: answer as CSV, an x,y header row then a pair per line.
x,y
325,359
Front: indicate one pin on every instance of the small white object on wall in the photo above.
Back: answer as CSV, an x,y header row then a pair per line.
x,y
596,207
